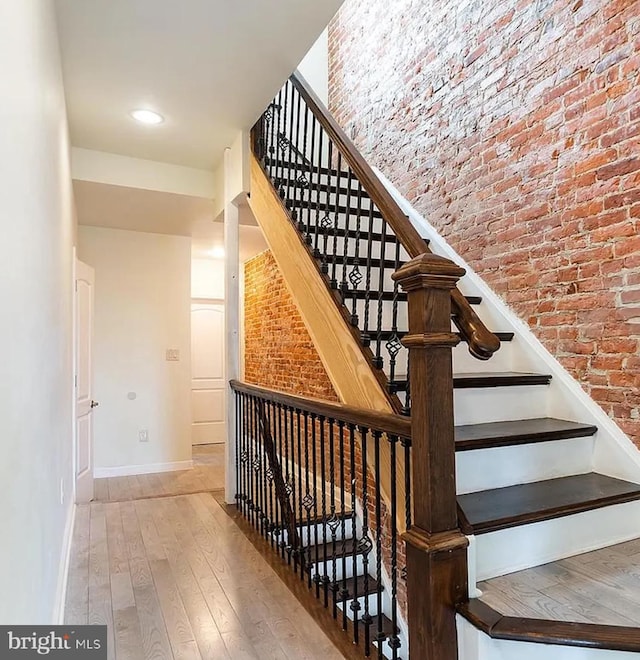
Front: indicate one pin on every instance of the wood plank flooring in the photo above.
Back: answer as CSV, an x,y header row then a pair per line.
x,y
600,587
206,475
174,577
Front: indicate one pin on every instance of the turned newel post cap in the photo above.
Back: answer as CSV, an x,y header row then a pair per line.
x,y
428,271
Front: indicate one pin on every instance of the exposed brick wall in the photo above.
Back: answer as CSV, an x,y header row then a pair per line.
x,y
514,127
279,352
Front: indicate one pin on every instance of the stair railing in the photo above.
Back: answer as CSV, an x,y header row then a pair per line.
x,y
321,177
309,480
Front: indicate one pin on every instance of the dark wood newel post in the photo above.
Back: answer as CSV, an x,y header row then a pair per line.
x,y
436,549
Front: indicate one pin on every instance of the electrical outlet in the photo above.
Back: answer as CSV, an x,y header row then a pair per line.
x,y
143,435
173,355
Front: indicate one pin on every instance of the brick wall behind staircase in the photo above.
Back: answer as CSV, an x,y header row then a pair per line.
x,y
279,352
514,127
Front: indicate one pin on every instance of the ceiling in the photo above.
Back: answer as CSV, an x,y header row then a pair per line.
x,y
208,66
135,209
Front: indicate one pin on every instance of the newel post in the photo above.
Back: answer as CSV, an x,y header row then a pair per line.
x,y
436,549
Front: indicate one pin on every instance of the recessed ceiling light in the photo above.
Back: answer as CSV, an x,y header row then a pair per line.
x,y
217,252
147,116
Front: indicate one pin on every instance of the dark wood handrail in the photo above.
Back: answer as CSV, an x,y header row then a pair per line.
x,y
389,423
482,343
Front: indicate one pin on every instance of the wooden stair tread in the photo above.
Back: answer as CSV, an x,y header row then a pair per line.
x,y
483,379
501,508
519,432
326,550
543,631
356,585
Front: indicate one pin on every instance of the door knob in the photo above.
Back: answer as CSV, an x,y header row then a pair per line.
x,y
94,404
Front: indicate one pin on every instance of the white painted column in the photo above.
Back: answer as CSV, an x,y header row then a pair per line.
x,y
232,322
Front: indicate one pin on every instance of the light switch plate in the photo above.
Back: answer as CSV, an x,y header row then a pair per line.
x,y
173,355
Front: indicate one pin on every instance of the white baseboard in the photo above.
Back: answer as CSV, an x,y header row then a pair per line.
x,y
147,468
63,571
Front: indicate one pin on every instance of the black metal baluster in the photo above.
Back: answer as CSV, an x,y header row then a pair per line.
x,y
332,522
378,361
275,531
287,477
238,431
291,174
366,335
393,344
279,165
316,521
323,486
266,513
300,517
380,636
243,462
256,466
250,464
355,275
344,592
355,605
406,443
307,501
312,184
299,159
344,285
283,521
394,640
303,181
364,544
325,217
317,186
336,223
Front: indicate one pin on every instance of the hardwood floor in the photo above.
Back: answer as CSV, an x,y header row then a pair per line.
x,y
174,577
600,587
206,475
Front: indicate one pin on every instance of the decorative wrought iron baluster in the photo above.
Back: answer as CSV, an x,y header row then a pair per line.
x,y
364,543
355,275
308,500
316,187
303,180
355,605
366,335
308,229
394,640
393,344
273,425
323,490
279,459
299,158
380,635
344,284
250,464
287,479
343,592
336,222
257,467
279,179
243,455
378,362
326,221
298,463
238,431
316,521
333,523
291,157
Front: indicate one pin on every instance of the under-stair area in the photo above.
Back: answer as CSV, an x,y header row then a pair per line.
x,y
552,527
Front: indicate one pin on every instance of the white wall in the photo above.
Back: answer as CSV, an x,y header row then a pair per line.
x,y
207,278
142,308
36,323
315,67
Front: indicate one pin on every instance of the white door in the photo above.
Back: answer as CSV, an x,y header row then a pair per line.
x,y
207,373
83,384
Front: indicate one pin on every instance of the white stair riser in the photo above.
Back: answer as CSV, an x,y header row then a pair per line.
x,y
483,469
373,605
517,548
308,535
464,362
475,645
359,568
499,404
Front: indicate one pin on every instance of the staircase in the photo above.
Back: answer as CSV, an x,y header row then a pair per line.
x,y
528,492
